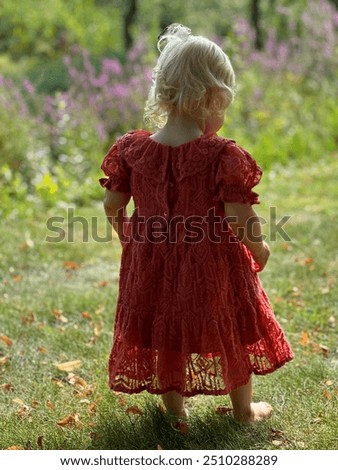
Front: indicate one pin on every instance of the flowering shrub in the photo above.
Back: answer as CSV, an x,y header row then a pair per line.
x,y
51,147
285,106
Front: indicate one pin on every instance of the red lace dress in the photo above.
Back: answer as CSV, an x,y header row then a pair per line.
x,y
191,315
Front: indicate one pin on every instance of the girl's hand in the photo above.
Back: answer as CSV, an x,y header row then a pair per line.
x,y
261,257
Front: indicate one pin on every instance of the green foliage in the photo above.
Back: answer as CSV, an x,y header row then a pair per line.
x,y
283,119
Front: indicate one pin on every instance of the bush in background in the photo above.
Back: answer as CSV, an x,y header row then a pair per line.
x,y
51,145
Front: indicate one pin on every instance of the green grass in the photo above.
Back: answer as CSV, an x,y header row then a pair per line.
x,y
42,313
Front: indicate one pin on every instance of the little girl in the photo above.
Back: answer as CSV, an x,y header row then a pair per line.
x,y
192,316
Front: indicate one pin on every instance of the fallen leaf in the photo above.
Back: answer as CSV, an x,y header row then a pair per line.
x,y
326,394
69,420
58,314
85,392
6,340
86,315
50,405
76,380
102,283
285,246
15,448
18,401
276,433
29,319
300,444
134,410
17,278
71,265
328,382
304,341
4,360
23,412
40,442
308,261
98,328
58,382
276,442
92,407
223,410
325,350
69,366
42,350
325,290
316,420
7,387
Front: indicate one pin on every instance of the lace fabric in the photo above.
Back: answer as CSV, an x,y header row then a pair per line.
x,y
191,316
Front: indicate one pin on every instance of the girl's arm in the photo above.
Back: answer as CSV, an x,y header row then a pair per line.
x,y
115,208
245,223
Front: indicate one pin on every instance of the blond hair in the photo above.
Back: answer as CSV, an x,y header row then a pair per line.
x,y
192,74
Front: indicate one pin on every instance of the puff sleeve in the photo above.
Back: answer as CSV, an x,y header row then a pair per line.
x,y
237,173
116,170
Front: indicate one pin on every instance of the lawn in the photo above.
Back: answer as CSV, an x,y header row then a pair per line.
x,y
57,304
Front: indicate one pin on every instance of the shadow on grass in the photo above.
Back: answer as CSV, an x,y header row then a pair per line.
x,y
207,431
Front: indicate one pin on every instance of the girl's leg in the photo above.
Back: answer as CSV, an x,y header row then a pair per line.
x,y
174,404
244,410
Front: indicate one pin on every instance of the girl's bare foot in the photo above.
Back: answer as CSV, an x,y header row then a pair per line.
x,y
257,412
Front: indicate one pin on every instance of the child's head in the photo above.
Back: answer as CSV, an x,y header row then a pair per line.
x,y
192,76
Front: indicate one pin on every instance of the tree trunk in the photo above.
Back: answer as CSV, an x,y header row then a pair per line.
x,y
128,20
255,21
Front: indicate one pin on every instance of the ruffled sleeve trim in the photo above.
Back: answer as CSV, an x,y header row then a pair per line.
x,y
116,170
236,175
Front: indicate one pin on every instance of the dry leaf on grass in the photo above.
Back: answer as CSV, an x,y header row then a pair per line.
x,y
58,314
28,319
58,382
86,315
4,360
42,350
15,448
71,265
6,340
69,366
7,387
324,350
134,410
23,412
98,328
17,278
76,380
223,410
50,405
276,442
276,432
69,420
326,394
92,407
305,339
103,283
18,401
